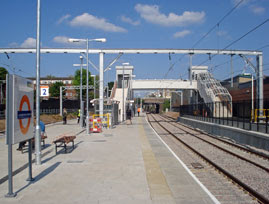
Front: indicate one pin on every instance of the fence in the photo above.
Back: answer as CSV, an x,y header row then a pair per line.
x,y
236,114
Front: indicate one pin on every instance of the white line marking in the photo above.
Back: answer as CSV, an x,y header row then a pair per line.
x,y
214,199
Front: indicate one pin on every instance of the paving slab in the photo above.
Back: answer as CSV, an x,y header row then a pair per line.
x,y
126,164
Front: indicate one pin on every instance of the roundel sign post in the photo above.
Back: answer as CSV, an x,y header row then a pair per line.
x,y
19,120
20,109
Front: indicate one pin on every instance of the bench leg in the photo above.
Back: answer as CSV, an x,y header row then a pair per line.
x,y
73,144
55,148
64,147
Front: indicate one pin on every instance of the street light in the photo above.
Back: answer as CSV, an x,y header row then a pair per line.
x,y
93,85
81,98
80,91
87,85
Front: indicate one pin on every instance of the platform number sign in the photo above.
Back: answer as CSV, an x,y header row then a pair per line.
x,y
44,91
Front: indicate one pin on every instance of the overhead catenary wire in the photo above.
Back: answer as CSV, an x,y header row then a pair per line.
x,y
240,38
237,57
218,23
204,36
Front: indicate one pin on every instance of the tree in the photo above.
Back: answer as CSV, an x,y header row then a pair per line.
x,y
110,85
55,89
76,81
50,77
3,73
166,104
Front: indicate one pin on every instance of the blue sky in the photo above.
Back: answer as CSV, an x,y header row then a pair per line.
x,y
133,24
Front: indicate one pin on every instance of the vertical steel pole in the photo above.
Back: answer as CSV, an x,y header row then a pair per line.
x,y
181,99
94,94
87,90
252,98
80,92
37,131
123,93
101,83
9,110
190,75
260,85
30,178
61,100
232,72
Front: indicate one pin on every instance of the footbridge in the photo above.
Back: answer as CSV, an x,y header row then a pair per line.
x,y
160,84
202,86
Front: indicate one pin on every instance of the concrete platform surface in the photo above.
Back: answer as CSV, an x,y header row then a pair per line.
x,y
126,164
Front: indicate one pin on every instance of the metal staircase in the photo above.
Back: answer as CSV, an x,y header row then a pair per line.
x,y
213,92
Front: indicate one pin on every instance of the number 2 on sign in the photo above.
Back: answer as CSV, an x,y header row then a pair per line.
x,y
44,92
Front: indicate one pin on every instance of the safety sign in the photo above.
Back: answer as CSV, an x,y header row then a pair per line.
x,y
19,108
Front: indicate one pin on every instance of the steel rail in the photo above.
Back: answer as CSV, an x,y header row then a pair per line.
x,y
264,156
223,149
226,173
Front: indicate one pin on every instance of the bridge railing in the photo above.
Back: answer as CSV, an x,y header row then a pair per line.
x,y
243,115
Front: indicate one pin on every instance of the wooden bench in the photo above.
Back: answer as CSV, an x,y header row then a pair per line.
x,y
62,141
43,137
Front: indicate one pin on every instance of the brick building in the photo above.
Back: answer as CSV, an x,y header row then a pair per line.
x,y
67,81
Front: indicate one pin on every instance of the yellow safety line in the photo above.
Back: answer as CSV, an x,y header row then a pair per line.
x,y
158,186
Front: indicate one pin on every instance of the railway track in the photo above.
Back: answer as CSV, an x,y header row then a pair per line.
x,y
241,147
246,168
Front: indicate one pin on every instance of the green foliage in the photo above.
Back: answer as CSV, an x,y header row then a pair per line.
x,y
50,77
76,82
110,85
55,89
166,104
3,73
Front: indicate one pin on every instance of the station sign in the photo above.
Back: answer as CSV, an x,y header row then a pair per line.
x,y
20,108
44,91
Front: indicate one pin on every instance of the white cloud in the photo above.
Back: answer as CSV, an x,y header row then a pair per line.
x,y
63,18
89,20
61,39
152,14
64,40
29,43
181,34
257,9
130,21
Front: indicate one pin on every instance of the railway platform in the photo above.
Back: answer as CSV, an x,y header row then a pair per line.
x,y
126,164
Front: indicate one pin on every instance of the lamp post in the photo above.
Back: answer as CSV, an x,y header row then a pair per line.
x,y
81,98
93,85
37,129
80,91
87,85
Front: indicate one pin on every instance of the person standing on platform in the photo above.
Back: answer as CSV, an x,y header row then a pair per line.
x,y
78,117
64,116
138,111
129,115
